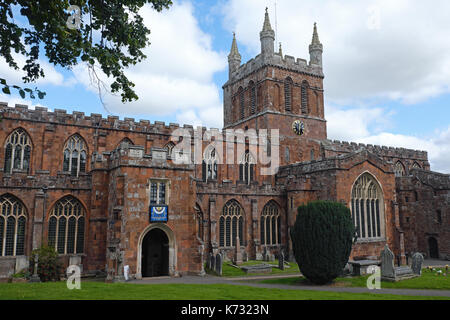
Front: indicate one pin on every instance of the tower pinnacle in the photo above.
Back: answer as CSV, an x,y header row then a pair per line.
x,y
267,37
234,58
315,49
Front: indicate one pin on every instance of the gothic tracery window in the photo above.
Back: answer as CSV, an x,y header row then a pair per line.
x,y
125,143
75,155
231,224
169,148
416,166
367,207
209,165
13,217
270,224
17,151
399,169
288,84
66,226
247,168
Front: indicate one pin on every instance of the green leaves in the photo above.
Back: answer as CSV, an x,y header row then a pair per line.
x,y
122,36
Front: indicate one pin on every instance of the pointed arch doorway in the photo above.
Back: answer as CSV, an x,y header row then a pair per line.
x,y
156,252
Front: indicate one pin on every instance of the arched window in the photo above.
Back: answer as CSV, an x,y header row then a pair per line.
x,y
247,168
200,225
17,151
288,84
13,218
270,224
169,148
66,226
312,154
304,92
231,224
241,102
416,166
125,143
252,87
209,165
399,169
75,155
367,207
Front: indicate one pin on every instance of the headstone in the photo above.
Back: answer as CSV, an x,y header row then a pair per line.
x,y
281,260
219,264
417,260
22,262
208,261
126,272
213,262
237,253
387,263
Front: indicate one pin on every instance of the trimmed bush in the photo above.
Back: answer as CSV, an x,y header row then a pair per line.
x,y
49,266
322,239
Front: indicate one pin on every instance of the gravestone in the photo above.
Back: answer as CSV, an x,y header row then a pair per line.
x,y
219,264
237,253
212,262
208,261
417,260
387,263
281,260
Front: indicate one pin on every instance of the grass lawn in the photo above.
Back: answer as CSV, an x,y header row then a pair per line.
x,y
428,280
125,291
230,271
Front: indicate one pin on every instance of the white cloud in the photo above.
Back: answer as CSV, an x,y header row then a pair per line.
x,y
369,126
177,77
12,101
407,58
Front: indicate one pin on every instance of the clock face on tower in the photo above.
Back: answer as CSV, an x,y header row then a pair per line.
x,y
298,127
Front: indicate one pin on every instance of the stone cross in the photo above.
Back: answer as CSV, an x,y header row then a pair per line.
x,y
387,263
219,264
417,260
281,260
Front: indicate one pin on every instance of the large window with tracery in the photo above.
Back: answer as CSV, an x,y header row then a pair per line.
x,y
17,151
209,165
13,218
75,155
399,169
367,207
247,168
231,224
270,224
66,226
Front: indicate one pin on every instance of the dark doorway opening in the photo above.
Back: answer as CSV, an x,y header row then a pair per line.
x,y
433,247
155,254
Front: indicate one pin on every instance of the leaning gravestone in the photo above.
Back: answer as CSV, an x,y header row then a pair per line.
x,y
219,264
281,260
387,263
417,260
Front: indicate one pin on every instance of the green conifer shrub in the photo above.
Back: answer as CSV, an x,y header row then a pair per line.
x,y
322,239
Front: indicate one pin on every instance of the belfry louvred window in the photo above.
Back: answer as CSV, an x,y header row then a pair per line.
x,y
304,92
66,226
241,102
288,84
252,97
75,155
367,207
17,151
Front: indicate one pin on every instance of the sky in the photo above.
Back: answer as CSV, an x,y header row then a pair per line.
x,y
386,66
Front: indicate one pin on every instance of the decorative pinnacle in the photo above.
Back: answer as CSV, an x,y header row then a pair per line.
x,y
234,49
280,51
267,26
315,39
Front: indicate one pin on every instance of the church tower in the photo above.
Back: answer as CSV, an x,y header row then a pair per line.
x,y
276,91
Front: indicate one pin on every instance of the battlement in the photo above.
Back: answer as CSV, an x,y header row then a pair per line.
x,y
383,151
60,116
285,62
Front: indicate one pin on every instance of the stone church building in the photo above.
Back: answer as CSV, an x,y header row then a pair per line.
x,y
106,193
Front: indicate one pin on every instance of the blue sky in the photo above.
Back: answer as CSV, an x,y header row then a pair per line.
x,y
386,65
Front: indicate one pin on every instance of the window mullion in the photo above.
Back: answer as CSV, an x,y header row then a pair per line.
x,y
65,236
76,236
15,236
